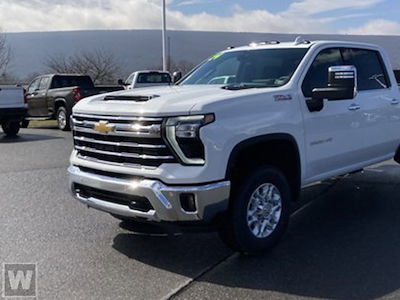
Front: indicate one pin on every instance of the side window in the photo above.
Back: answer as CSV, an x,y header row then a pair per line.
x,y
371,74
44,83
317,76
129,81
56,84
34,86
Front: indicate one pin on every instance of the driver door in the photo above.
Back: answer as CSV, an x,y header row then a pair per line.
x,y
31,94
334,136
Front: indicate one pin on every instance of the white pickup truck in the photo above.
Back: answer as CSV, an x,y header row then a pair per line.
x,y
13,109
146,78
235,155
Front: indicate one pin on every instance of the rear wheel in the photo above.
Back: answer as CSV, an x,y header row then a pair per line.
x,y
63,119
11,128
25,124
259,211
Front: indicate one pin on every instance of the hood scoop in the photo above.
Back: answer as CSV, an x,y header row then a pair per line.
x,y
130,98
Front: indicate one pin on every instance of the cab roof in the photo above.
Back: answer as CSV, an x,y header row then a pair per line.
x,y
299,43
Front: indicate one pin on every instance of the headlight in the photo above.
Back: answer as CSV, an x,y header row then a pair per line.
x,y
183,136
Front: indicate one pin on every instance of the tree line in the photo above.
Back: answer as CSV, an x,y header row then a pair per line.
x,y
100,64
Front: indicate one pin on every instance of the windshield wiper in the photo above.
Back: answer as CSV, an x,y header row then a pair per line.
x,y
242,86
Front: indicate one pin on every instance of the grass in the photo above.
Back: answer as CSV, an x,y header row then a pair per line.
x,y
36,124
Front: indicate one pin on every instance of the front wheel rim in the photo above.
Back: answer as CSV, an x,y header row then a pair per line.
x,y
264,210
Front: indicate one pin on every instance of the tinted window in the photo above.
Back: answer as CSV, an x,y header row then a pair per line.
x,y
44,83
371,74
34,86
154,78
69,81
317,76
259,68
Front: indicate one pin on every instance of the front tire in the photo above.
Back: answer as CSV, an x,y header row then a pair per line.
x,y
259,211
11,128
63,119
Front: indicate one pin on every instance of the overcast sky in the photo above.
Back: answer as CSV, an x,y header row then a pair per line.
x,y
378,17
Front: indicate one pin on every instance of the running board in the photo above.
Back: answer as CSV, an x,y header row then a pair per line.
x,y
37,119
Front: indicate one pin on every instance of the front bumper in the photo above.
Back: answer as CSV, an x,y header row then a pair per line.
x,y
210,199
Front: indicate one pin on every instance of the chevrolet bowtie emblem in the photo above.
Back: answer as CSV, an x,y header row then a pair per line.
x,y
103,127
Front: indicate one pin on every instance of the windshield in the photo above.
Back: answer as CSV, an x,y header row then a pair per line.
x,y
154,77
254,68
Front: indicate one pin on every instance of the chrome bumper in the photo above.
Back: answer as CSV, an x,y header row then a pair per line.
x,y
210,199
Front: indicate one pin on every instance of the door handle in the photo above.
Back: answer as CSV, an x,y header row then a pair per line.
x,y
395,102
354,107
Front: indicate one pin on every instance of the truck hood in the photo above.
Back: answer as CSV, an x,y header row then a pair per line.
x,y
155,101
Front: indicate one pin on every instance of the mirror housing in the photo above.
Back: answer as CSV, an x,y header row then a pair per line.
x,y
176,76
121,82
342,84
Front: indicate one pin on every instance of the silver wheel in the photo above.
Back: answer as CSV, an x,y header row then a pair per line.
x,y
264,210
62,119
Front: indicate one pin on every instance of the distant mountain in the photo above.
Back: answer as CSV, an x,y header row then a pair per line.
x,y
141,49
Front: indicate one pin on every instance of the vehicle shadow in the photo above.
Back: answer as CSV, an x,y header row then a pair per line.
x,y
345,245
50,127
26,137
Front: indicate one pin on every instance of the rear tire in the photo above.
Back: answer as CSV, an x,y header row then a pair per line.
x,y
25,124
259,211
11,128
63,119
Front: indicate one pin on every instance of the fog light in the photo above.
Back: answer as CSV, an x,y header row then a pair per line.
x,y
133,205
188,202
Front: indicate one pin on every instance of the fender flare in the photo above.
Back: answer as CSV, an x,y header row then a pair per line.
x,y
278,137
62,100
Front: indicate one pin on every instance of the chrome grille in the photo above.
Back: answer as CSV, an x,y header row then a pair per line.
x,y
125,141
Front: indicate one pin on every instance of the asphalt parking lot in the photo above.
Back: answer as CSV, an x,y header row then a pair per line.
x,y
343,241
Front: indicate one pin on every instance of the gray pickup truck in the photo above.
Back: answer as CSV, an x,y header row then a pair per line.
x,y
51,97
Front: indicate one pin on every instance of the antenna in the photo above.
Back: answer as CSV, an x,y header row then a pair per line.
x,y
299,40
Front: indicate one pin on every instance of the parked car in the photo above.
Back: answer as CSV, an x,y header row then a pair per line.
x,y
141,79
236,155
51,97
12,108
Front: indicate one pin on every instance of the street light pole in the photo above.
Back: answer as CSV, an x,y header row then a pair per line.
x,y
164,37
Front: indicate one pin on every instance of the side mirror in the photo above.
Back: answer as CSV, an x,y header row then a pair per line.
x,y
176,76
342,84
121,82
